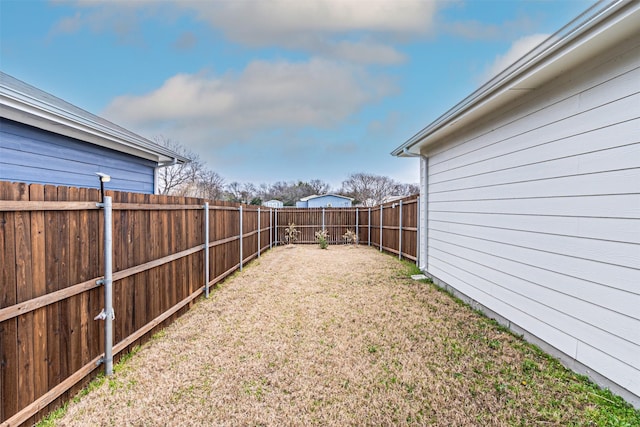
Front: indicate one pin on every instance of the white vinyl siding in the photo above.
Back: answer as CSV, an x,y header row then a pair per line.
x,y
535,214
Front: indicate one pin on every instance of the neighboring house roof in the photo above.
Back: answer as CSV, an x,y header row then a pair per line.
x,y
27,104
594,31
392,198
315,196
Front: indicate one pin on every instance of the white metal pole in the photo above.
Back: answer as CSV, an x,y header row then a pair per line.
x,y
241,238
357,228
108,287
206,249
400,232
258,232
381,206
418,231
369,228
270,229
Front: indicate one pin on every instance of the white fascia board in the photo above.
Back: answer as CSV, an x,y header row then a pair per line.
x,y
315,196
617,22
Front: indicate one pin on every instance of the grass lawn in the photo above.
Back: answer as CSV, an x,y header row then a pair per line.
x,y
342,336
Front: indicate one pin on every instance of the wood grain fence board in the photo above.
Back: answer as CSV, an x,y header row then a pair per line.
x,y
165,270
84,273
154,274
133,206
74,303
141,289
129,285
41,385
62,250
173,235
9,328
24,292
59,390
52,263
190,263
182,269
140,280
47,299
29,206
123,254
153,323
95,300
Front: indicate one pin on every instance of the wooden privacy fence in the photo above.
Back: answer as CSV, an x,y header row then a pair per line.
x,y
166,251
392,227
51,244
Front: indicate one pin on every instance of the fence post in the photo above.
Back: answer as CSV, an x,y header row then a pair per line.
x,y
275,238
418,231
241,236
206,249
323,218
357,228
369,228
270,229
381,207
400,232
258,232
108,315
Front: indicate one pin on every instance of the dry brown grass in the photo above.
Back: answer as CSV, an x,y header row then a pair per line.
x,y
337,337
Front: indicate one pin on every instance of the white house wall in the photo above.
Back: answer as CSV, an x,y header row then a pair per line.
x,y
535,214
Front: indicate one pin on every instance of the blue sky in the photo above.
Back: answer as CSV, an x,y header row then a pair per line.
x,y
274,90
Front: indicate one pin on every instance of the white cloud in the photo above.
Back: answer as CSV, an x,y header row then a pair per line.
x,y
260,22
354,30
517,50
264,96
350,30
366,53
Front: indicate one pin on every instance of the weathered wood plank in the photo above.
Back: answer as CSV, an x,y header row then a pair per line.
x,y
9,328
94,295
62,250
27,206
84,246
75,266
59,390
38,256
52,262
24,292
140,279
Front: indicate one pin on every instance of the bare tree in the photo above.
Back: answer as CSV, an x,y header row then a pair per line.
x,y
408,189
178,179
241,193
319,186
210,186
369,189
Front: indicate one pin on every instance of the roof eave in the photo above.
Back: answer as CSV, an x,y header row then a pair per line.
x,y
543,63
14,107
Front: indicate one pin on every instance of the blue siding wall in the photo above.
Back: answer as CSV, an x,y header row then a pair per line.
x,y
32,155
329,201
